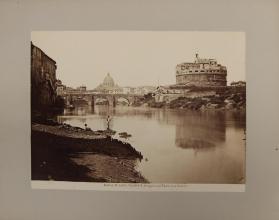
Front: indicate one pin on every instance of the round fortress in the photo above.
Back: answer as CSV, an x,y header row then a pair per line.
x,y
201,73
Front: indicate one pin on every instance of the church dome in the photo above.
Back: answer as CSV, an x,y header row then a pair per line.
x,y
108,81
108,85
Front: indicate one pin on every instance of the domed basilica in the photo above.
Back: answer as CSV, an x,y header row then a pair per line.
x,y
108,86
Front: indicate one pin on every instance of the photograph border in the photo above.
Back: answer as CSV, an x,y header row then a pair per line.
x,y
258,18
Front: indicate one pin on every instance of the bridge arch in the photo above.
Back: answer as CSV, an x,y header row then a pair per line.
x,y
91,98
129,98
109,98
118,98
98,100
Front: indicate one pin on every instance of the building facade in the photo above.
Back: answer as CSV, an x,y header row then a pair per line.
x,y
43,79
201,73
128,90
60,88
143,90
81,88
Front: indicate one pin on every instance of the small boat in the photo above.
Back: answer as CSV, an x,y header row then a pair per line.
x,y
109,132
124,135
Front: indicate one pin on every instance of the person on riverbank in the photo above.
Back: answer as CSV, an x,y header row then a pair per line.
x,y
108,122
87,128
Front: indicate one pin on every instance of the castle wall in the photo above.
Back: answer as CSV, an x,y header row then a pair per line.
x,y
201,79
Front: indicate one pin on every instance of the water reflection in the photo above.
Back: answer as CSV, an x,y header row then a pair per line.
x,y
179,146
200,131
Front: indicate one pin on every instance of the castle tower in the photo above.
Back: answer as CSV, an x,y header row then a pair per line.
x,y
201,73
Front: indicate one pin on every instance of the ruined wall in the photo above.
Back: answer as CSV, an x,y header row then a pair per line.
x,y
43,80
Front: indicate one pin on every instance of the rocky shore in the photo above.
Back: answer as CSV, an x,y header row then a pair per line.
x,y
222,102
65,153
201,99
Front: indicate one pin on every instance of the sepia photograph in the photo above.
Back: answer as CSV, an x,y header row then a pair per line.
x,y
143,108
130,109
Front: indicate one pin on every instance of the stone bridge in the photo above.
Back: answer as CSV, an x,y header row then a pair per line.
x,y
91,98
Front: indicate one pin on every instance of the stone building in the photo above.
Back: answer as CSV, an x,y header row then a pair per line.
x,y
81,88
60,88
43,80
201,73
143,90
128,90
108,86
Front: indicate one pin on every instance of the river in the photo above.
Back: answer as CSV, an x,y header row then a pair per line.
x,y
178,146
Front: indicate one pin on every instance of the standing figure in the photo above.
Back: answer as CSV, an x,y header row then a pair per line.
x,y
108,121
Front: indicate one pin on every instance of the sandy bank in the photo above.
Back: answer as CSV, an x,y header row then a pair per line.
x,y
110,169
70,139
64,154
68,131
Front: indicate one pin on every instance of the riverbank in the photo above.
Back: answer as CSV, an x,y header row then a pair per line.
x,y
65,153
218,102
206,98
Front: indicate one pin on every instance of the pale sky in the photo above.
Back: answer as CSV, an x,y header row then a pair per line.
x,y
136,58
